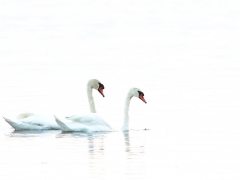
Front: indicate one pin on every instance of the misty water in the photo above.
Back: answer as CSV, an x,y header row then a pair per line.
x,y
184,56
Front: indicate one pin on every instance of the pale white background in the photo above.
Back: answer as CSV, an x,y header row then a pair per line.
x,y
184,55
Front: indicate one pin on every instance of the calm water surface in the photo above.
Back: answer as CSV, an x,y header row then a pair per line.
x,y
137,154
57,155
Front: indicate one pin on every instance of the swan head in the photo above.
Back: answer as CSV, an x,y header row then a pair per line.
x,y
135,92
96,84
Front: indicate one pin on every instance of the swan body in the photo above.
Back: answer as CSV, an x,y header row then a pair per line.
x,y
89,122
30,121
93,123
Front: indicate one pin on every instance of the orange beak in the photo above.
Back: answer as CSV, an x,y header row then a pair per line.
x,y
142,98
100,89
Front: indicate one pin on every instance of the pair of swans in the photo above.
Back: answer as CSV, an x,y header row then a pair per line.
x,y
89,122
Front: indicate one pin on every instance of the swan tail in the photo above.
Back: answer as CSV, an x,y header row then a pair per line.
x,y
62,126
19,126
14,124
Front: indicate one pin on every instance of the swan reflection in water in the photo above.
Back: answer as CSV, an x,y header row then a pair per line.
x,y
96,155
135,154
31,133
127,142
117,154
111,155
92,146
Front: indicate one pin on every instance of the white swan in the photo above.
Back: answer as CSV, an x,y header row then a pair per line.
x,y
94,123
30,121
134,92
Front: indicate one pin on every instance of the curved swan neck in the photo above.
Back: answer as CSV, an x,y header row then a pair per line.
x,y
90,100
125,126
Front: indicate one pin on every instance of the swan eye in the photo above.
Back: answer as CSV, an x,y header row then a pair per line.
x,y
141,93
101,85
